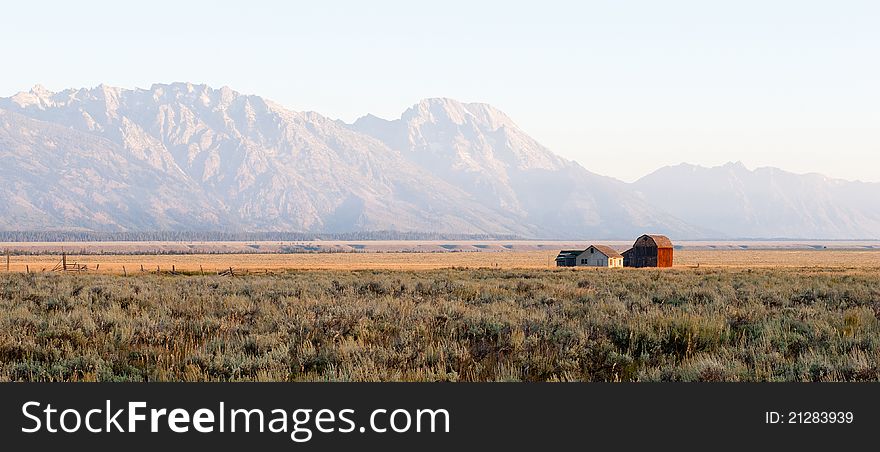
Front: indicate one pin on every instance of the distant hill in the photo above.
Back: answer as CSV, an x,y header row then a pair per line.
x,y
766,202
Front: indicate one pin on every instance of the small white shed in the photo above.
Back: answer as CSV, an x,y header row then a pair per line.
x,y
599,256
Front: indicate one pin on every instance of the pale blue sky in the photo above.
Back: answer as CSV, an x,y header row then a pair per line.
x,y
623,87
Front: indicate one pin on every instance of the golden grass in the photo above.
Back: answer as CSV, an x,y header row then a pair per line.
x,y
706,324
212,263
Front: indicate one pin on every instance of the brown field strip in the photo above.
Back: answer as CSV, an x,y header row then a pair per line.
x,y
212,263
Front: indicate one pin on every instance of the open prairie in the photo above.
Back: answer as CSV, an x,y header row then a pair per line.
x,y
213,263
686,324
725,313
213,257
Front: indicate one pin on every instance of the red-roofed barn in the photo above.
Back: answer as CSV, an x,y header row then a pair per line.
x,y
649,250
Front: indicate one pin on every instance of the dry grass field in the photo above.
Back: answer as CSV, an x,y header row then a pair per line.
x,y
720,315
686,324
256,263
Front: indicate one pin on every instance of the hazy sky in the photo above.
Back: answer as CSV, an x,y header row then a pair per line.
x,y
623,87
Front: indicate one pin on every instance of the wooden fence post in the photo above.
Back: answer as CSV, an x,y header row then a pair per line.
x,y
7,260
123,271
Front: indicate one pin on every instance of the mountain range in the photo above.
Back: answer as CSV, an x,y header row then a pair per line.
x,y
767,202
189,157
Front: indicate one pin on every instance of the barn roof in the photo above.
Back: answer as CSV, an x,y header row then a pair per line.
x,y
660,240
607,250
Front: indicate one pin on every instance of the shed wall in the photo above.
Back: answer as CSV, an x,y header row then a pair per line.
x,y
664,257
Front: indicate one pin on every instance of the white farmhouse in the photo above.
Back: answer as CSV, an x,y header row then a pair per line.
x,y
594,256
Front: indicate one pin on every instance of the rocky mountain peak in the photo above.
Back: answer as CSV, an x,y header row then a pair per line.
x,y
189,157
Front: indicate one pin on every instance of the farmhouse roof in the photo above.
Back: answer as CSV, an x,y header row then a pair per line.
x,y
607,250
